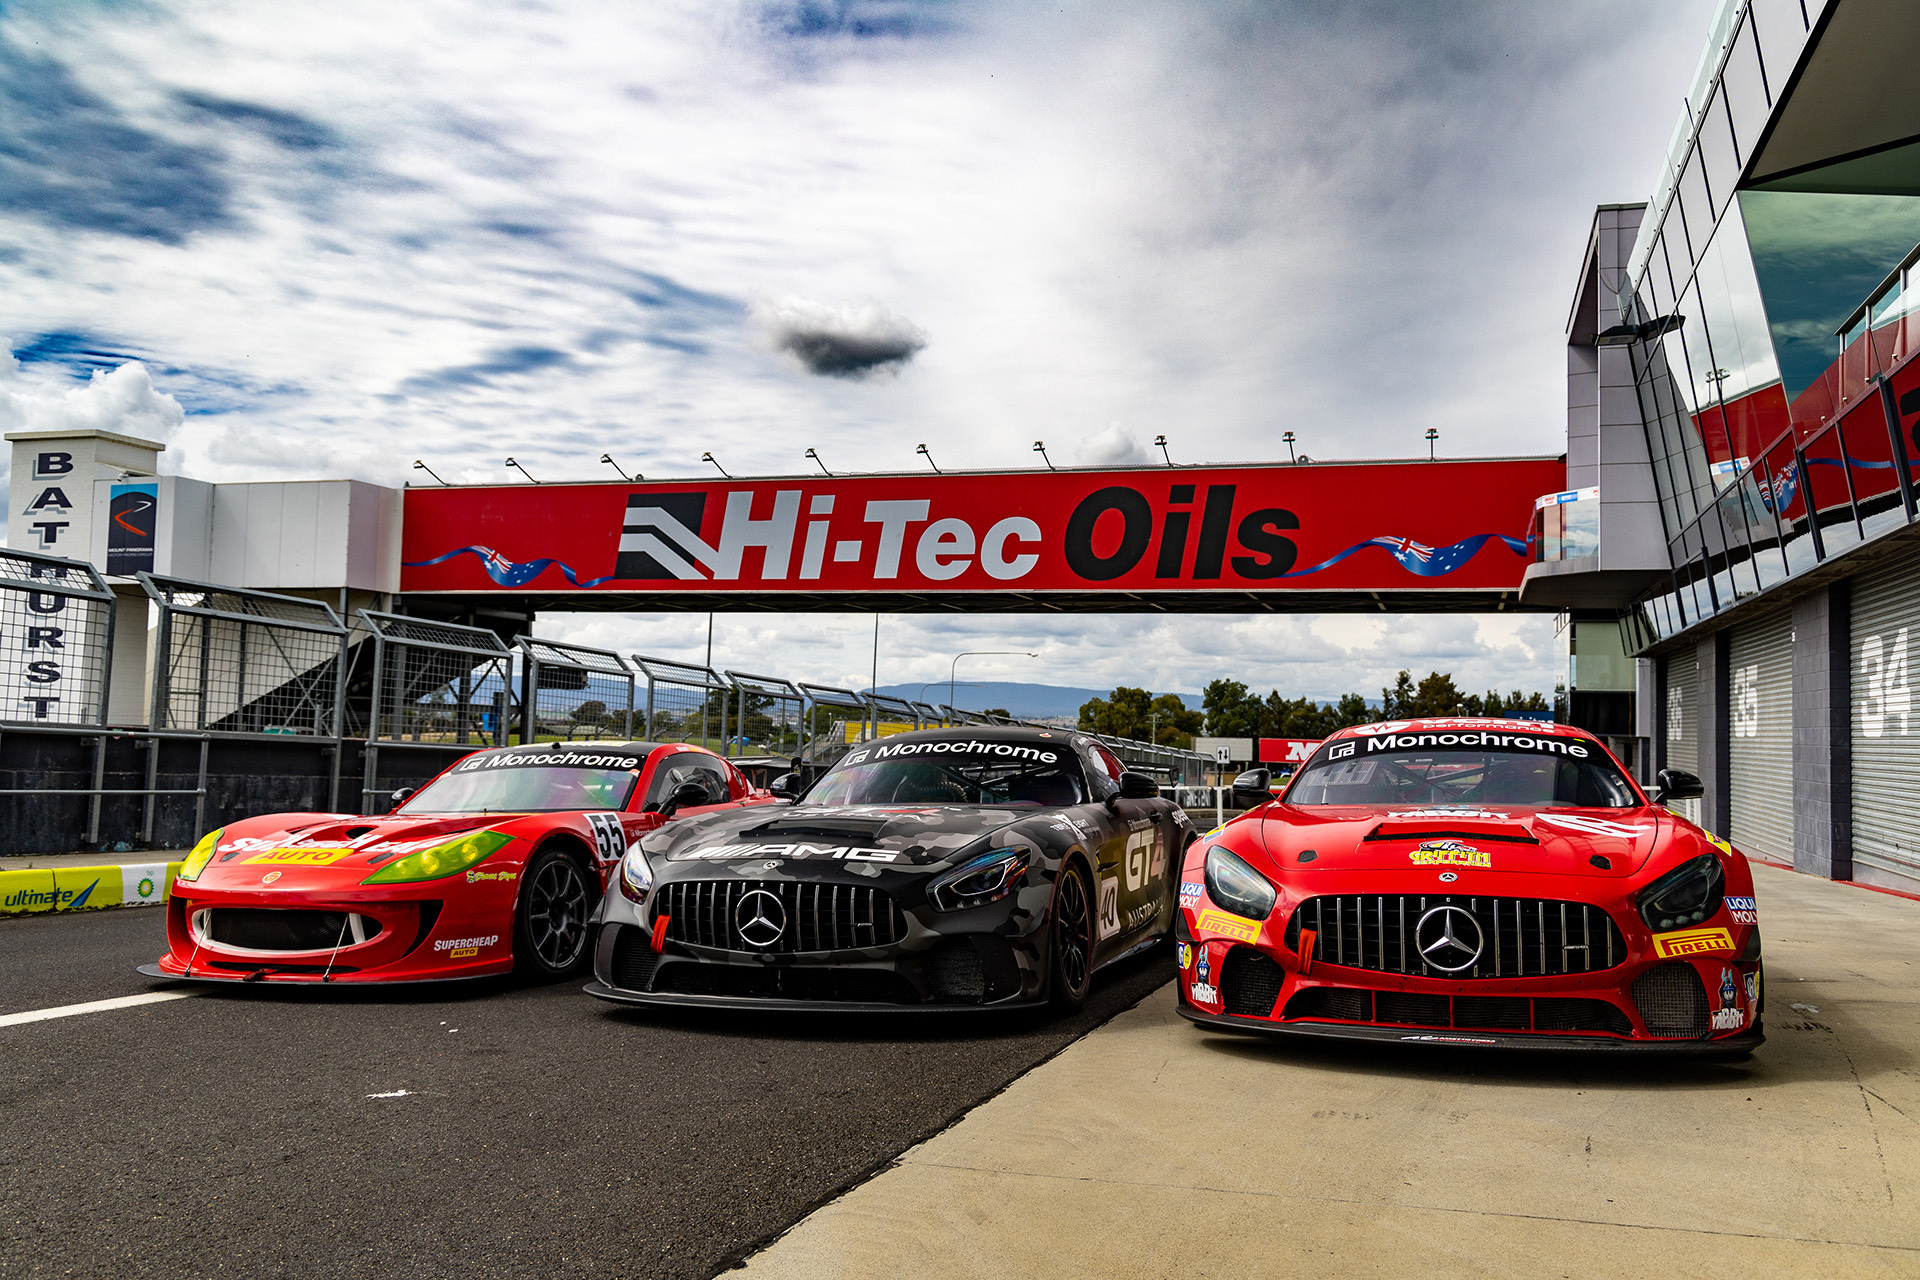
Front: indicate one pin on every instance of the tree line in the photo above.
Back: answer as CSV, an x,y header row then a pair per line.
x,y
1231,710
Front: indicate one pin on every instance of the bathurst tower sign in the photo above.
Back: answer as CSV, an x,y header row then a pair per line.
x,y
1194,537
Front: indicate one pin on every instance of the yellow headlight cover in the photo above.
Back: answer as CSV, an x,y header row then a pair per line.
x,y
446,859
202,854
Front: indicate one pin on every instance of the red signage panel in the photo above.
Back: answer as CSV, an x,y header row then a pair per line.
x,y
1287,750
1320,526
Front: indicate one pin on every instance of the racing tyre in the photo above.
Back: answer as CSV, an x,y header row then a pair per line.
x,y
1072,932
550,931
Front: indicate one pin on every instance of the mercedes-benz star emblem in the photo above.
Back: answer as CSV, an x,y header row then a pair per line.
x,y
1449,939
760,919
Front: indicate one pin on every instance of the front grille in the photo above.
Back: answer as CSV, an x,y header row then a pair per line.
x,y
268,969
1520,937
1484,1013
1250,982
281,929
634,959
832,986
819,917
1671,1000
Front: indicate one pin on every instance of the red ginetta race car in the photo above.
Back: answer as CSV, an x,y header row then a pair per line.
x,y
495,865
1472,882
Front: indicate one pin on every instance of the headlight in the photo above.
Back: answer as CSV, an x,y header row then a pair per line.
x,y
202,854
985,879
1236,886
1684,896
442,860
636,877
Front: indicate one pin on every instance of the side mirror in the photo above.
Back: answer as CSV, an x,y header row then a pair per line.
x,y
786,786
685,796
1254,782
401,793
1138,786
1676,784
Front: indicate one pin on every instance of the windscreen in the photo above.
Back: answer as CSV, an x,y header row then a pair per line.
x,y
529,783
953,772
1522,770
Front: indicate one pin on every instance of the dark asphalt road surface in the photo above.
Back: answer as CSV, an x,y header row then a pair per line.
x,y
542,1133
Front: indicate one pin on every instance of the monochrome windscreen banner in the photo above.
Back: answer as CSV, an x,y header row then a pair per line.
x,y
54,619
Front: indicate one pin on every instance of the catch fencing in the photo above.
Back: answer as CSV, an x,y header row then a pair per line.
x,y
570,692
686,702
770,713
437,687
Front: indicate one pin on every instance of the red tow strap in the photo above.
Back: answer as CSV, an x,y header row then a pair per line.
x,y
660,924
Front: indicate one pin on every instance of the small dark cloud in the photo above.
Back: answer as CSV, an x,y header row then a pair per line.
x,y
70,160
841,342
502,363
861,19
285,129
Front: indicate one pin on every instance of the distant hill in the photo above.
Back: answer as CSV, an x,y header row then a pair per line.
x,y
1024,701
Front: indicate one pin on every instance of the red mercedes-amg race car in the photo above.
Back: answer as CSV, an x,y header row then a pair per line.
x,y
495,865
1472,882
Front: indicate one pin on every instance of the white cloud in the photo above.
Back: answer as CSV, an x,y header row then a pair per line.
x,y
1114,447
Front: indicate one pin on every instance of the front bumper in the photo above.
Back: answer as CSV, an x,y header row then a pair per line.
x,y
1732,1046
617,995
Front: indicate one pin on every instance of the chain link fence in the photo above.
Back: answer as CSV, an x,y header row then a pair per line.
x,y
435,685
686,702
56,616
572,693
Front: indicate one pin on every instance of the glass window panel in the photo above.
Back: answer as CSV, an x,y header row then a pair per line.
x,y
1825,475
1686,457
1696,206
1721,163
1746,93
1739,558
1785,495
1657,450
1781,29
1763,531
1662,277
1868,451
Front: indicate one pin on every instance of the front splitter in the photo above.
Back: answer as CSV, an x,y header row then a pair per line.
x,y
740,1004
260,977
1732,1046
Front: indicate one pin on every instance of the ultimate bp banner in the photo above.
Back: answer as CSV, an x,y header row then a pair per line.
x,y
1320,527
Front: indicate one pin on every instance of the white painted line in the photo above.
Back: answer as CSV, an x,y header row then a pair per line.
x,y
92,1006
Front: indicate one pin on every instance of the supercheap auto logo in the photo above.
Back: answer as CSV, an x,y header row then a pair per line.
x,y
1450,853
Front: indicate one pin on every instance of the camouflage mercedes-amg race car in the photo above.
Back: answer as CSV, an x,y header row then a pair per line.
x,y
945,869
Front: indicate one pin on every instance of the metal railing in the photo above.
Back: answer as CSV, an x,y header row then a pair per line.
x,y
435,684
57,615
239,661
774,707
686,702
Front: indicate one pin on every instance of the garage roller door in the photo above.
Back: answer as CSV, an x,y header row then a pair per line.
x,y
1683,719
1886,735
1760,736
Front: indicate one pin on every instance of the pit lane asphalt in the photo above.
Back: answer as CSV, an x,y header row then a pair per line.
x,y
542,1132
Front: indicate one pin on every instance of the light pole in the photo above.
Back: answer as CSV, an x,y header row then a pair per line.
x,y
980,653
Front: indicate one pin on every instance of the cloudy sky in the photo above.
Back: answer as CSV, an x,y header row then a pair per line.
x,y
296,241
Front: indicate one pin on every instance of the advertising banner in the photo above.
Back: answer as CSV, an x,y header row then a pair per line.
x,y
1287,750
1351,526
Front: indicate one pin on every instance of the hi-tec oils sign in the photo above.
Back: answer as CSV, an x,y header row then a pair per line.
x,y
1425,525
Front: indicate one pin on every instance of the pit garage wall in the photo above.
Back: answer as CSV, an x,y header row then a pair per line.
x,y
1803,724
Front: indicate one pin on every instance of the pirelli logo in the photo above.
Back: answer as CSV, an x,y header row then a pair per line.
x,y
1235,927
1692,942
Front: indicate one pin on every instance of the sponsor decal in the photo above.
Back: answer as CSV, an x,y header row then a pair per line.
x,y
1539,743
1717,842
547,759
1190,894
1204,993
1138,856
54,899
1451,1039
1449,853
1235,927
305,855
799,852
1204,969
1743,910
459,947
1341,750
145,888
1753,989
1692,942
1183,953
1141,915
1401,814
1728,1019
270,877
476,877
1729,989
1108,923
1000,750
1594,826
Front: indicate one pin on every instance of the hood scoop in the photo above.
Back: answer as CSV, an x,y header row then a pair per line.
x,y
1496,831
825,828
